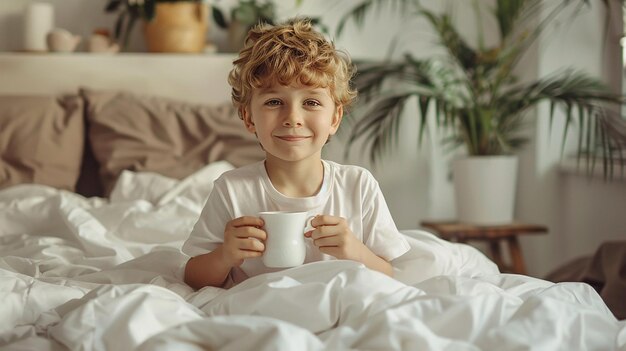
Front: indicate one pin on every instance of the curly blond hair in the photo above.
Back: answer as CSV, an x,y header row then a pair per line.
x,y
287,53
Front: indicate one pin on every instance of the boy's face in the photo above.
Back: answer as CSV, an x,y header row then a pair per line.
x,y
292,122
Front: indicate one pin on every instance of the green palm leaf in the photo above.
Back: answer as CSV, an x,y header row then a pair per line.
x,y
358,12
381,124
473,91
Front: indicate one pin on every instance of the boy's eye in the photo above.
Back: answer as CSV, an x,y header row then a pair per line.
x,y
273,102
312,103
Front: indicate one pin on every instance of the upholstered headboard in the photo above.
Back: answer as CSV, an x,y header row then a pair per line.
x,y
75,121
193,78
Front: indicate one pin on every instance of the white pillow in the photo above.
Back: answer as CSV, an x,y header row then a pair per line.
x,y
160,190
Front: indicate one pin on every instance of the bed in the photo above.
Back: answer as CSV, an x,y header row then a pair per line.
x,y
90,242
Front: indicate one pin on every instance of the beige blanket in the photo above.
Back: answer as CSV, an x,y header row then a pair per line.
x,y
605,271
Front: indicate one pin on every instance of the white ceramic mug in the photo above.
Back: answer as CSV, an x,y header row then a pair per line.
x,y
285,246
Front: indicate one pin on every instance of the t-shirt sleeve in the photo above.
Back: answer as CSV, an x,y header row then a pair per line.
x,y
380,232
208,232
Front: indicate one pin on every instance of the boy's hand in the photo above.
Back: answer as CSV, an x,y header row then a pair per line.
x,y
240,240
333,237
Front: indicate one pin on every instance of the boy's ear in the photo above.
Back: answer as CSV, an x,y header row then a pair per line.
x,y
247,119
337,117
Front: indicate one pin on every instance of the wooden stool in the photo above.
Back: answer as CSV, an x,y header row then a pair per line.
x,y
494,235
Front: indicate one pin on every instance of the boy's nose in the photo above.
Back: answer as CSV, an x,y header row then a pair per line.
x,y
291,124
293,119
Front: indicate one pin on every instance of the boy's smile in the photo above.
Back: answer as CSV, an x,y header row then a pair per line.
x,y
292,137
292,122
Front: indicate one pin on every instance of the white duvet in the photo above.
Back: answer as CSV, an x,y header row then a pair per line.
x,y
90,274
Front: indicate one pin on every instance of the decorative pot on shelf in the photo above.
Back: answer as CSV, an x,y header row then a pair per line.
x,y
485,188
38,22
61,40
178,27
99,43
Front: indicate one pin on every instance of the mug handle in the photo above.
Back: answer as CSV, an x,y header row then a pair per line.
x,y
308,225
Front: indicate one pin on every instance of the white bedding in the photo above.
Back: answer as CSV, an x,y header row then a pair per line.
x,y
90,274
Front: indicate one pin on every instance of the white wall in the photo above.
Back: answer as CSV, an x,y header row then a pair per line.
x,y
579,213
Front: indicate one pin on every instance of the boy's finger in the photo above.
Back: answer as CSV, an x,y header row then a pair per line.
x,y
326,241
251,232
247,221
251,244
323,231
325,220
250,254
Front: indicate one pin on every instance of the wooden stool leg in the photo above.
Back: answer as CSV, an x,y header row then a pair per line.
x,y
496,255
517,259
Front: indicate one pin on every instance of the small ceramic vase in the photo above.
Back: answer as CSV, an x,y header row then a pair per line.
x,y
99,43
61,40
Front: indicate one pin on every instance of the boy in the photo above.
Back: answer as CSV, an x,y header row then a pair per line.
x,y
290,87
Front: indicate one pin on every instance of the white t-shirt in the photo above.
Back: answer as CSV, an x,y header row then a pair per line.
x,y
347,191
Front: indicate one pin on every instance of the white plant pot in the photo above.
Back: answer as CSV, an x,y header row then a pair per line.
x,y
485,189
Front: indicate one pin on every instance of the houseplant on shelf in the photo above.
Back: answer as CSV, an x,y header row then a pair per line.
x,y
477,98
169,25
244,16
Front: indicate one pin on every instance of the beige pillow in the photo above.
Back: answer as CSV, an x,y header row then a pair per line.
x,y
155,134
41,140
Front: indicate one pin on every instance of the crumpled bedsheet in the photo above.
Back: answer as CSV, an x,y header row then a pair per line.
x,y
96,274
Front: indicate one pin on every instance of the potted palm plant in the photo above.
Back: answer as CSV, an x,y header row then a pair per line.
x,y
169,25
474,94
